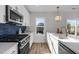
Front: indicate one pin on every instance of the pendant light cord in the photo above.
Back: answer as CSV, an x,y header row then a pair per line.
x,y
57,10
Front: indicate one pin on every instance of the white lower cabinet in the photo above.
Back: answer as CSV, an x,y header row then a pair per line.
x,y
52,43
13,50
55,43
31,39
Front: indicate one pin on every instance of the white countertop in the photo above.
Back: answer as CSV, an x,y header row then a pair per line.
x,y
4,46
68,39
72,43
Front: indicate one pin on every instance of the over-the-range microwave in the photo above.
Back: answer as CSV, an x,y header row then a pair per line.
x,y
13,15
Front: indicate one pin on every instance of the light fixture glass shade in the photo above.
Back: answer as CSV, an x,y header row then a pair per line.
x,y
58,18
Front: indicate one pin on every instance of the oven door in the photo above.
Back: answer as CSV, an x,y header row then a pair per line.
x,y
25,49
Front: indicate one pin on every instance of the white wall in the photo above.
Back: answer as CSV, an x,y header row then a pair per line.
x,y
50,21
50,24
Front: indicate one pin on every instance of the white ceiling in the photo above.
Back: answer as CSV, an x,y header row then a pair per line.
x,y
50,8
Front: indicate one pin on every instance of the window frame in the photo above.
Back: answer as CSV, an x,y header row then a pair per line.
x,y
75,35
39,26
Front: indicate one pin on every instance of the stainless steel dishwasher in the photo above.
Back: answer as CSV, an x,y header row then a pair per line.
x,y
63,49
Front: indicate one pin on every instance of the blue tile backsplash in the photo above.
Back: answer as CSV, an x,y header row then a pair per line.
x,y
7,29
22,28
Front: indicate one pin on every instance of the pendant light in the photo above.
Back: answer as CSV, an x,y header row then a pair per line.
x,y
74,11
58,17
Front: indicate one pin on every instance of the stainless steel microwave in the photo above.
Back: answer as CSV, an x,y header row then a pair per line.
x,y
13,15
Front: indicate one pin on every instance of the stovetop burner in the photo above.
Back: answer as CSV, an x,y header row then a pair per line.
x,y
12,38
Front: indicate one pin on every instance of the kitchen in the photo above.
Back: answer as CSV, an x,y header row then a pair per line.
x,y
33,29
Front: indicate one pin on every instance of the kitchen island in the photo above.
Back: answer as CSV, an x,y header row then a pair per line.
x,y
68,43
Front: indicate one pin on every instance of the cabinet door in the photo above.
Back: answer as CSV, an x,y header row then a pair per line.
x,y
26,15
54,43
48,39
50,45
31,39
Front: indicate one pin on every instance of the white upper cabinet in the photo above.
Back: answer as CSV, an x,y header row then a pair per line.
x,y
26,15
2,14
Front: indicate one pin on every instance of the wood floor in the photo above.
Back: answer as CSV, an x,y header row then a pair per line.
x,y
39,48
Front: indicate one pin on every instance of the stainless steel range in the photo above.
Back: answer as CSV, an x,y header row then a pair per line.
x,y
23,47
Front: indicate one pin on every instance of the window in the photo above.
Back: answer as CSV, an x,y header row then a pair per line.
x,y
71,26
40,22
77,27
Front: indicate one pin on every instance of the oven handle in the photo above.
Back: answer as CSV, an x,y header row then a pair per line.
x,y
24,38
24,44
